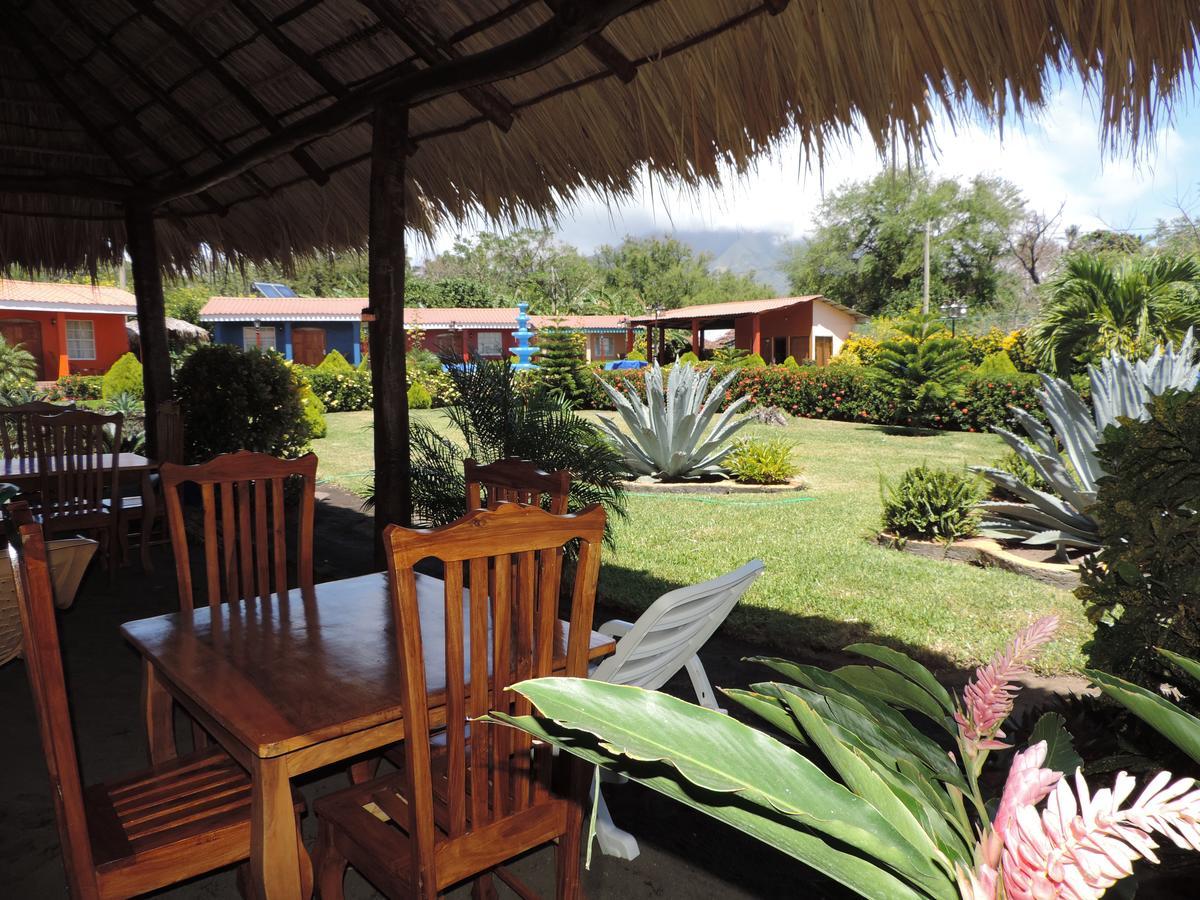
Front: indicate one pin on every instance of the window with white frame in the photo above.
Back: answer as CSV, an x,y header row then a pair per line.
x,y
606,347
490,343
258,337
81,339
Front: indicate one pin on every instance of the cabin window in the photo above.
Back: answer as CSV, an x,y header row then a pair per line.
x,y
81,339
489,343
258,338
604,346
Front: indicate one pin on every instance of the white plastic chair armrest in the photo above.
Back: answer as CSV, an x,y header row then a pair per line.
x,y
615,628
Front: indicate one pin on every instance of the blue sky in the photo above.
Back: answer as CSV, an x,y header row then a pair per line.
x,y
1056,158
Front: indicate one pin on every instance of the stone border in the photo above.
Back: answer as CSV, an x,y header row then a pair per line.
x,y
987,553
713,487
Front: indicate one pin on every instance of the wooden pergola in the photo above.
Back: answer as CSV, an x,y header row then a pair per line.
x,y
186,130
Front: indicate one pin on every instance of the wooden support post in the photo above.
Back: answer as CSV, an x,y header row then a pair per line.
x,y
151,314
697,337
662,344
393,496
756,334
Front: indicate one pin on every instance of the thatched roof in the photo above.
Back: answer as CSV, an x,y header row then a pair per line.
x,y
106,97
182,331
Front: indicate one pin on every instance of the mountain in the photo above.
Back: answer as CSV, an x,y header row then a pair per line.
x,y
744,252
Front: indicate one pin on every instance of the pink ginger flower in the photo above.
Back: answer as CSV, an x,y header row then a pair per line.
x,y
988,697
1078,850
1027,784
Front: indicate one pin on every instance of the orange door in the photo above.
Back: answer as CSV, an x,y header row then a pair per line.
x,y
800,348
28,335
822,349
308,346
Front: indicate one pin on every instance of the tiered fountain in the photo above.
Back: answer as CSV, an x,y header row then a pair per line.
x,y
523,351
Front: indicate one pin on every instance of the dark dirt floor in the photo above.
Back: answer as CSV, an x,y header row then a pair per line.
x,y
684,854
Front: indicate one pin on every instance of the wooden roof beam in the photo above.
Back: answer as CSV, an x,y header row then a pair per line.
x,y
605,52
433,51
173,106
230,82
568,29
65,185
289,48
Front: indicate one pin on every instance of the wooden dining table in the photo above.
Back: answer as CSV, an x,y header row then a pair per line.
x,y
290,685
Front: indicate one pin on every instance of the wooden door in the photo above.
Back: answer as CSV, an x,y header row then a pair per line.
x,y
822,349
308,346
800,348
28,335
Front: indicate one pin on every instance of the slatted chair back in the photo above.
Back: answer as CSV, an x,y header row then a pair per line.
x,y
514,480
169,433
43,656
245,525
74,476
495,782
16,426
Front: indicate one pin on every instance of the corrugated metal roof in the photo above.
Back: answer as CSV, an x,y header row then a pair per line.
x,y
684,315
60,297
296,309
241,309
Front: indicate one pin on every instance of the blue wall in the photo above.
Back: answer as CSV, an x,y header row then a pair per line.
x,y
340,336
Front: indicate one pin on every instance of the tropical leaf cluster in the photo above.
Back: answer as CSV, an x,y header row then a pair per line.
x,y
677,432
1064,455
923,369
498,417
18,370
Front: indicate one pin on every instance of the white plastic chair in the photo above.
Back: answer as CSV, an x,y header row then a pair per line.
x,y
666,638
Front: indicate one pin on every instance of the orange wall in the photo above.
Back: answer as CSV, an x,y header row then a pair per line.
x,y
111,341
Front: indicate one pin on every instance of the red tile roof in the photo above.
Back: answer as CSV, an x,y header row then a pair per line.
x,y
237,309
58,297
296,309
684,315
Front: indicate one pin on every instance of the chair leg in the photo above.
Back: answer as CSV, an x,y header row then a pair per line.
x,y
329,864
483,888
705,695
363,770
613,841
570,845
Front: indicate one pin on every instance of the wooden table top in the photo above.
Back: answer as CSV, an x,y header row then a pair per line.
x,y
27,466
280,676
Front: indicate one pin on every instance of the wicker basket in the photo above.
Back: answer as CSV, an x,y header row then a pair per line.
x,y
69,559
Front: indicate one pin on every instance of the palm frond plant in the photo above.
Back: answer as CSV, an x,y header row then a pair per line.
x,y
18,370
900,816
498,417
676,433
1064,455
1097,305
922,370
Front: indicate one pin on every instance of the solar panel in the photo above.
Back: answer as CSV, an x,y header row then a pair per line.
x,y
272,289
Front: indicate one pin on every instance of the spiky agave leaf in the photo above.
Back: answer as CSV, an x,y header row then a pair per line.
x,y
1120,390
672,434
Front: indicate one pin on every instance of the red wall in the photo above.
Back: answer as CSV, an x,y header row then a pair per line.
x,y
111,341
793,322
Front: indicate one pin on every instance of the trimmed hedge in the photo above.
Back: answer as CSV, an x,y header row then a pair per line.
x,y
850,394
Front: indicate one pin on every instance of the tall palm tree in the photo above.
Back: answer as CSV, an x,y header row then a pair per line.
x,y
1097,305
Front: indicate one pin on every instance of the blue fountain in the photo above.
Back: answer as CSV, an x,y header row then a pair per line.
x,y
523,351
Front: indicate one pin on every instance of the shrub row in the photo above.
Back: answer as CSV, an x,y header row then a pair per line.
x,y
850,394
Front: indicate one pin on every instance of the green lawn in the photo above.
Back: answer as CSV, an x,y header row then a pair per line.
x,y
826,584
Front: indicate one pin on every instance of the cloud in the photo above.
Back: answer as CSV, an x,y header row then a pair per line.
x,y
1054,159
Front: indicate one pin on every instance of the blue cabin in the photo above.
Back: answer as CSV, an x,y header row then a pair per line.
x,y
303,329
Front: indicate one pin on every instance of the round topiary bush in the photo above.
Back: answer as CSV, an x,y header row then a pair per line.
x,y
419,398
234,400
125,377
335,363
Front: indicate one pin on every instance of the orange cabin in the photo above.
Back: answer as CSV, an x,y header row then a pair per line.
x,y
68,328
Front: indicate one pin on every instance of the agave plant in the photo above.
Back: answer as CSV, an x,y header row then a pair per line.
x,y
1121,388
667,437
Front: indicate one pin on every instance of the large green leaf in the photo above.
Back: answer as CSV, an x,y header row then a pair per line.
x,y
1060,752
1179,727
1191,666
892,687
718,753
770,708
908,667
774,829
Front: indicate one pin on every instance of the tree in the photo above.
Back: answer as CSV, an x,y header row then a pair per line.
x,y
1105,240
562,364
868,247
1034,246
923,368
1099,303
642,273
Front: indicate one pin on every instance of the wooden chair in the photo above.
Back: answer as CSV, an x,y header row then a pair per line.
x,y
245,544
16,426
472,796
161,826
516,481
75,483
169,430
